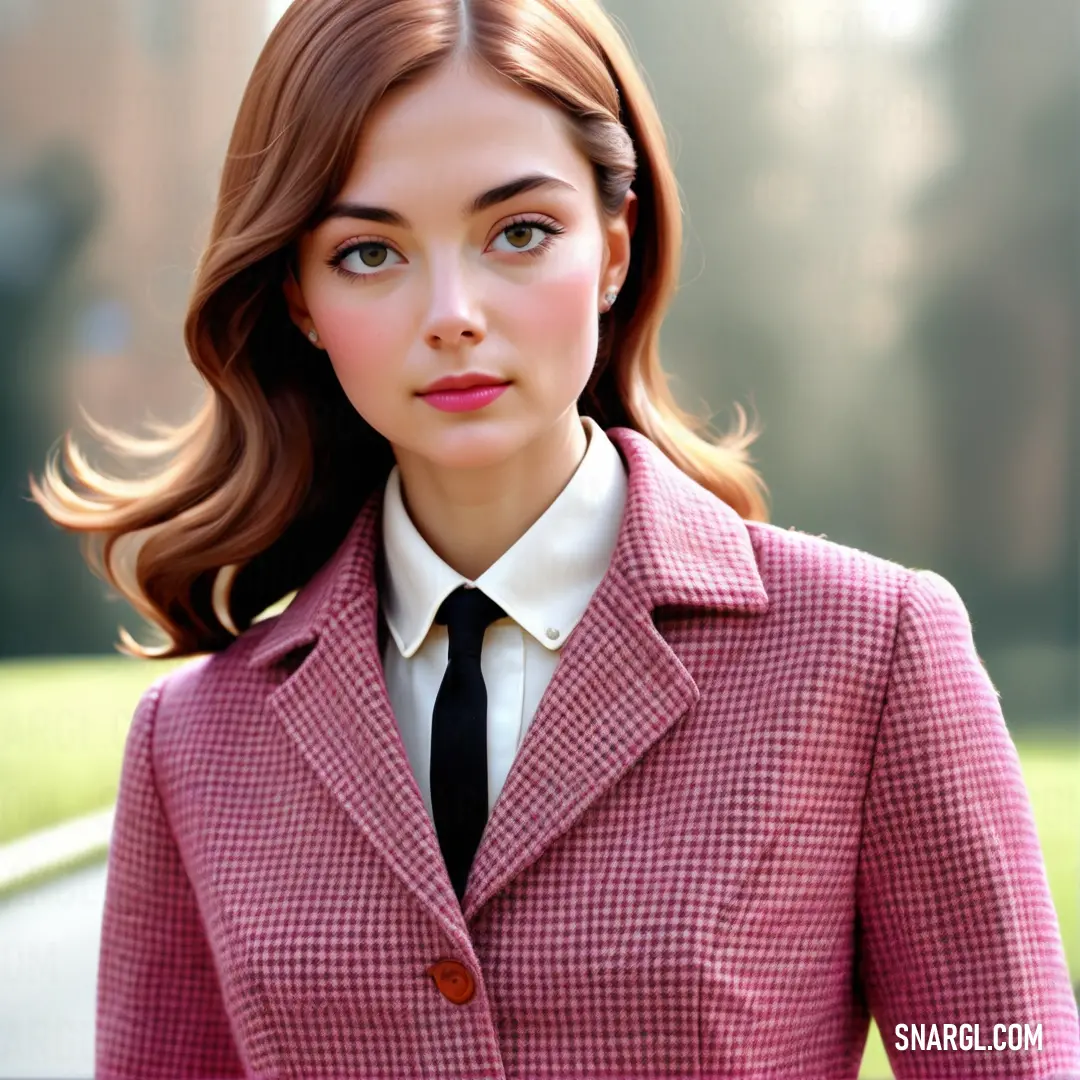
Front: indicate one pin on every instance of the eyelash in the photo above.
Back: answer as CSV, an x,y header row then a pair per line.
x,y
545,225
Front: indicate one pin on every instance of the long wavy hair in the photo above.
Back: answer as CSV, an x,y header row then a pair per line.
x,y
252,495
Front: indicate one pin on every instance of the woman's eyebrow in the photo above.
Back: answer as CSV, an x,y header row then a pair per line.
x,y
482,202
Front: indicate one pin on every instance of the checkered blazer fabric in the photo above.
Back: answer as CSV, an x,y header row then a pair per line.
x,y
768,792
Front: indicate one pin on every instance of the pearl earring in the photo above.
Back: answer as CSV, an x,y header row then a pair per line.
x,y
312,336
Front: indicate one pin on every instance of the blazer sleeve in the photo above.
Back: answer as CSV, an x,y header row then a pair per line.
x,y
160,1011
954,919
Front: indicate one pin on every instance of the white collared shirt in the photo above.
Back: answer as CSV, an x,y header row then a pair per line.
x,y
543,582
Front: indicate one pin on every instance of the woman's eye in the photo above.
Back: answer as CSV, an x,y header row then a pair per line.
x,y
519,235
365,258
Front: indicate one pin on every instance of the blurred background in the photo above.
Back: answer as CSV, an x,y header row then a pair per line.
x,y
882,263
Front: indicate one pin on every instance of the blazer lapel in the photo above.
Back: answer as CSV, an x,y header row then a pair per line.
x,y
336,708
617,689
619,686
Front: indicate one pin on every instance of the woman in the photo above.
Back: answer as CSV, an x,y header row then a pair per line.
x,y
562,762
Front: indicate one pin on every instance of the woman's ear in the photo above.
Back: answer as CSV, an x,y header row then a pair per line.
x,y
294,300
619,229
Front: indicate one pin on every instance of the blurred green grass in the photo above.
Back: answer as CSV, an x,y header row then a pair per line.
x,y
64,724
63,727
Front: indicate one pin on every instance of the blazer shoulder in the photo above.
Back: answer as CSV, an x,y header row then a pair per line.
x,y
789,558
205,683
815,579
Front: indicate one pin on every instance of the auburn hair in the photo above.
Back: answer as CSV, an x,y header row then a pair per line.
x,y
253,494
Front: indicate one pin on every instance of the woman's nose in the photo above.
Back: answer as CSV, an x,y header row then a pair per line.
x,y
453,307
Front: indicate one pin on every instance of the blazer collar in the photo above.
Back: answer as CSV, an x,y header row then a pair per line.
x,y
544,582
678,545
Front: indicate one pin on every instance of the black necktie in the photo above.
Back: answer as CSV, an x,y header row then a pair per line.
x,y
459,790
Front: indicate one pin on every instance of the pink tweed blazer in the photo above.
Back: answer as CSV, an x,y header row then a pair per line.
x,y
768,793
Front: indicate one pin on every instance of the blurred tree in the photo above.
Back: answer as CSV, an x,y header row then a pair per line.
x,y
710,76
996,329
54,605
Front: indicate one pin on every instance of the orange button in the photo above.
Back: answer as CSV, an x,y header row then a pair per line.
x,y
454,980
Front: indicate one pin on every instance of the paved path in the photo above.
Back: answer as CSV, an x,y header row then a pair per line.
x,y
49,938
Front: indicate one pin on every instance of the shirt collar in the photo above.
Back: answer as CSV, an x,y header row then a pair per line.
x,y
546,579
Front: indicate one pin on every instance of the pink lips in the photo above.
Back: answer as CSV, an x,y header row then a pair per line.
x,y
475,397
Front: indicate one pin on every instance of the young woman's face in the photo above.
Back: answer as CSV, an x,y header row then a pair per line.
x,y
421,273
